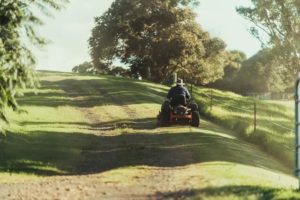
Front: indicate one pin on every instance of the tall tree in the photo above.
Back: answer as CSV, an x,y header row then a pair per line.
x,y
17,22
277,26
156,38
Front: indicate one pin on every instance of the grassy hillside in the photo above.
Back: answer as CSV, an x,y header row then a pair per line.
x,y
275,120
104,127
49,136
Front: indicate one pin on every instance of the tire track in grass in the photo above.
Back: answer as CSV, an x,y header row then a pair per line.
x,y
155,175
77,92
162,175
119,102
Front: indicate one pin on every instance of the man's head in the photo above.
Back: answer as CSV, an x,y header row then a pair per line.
x,y
180,82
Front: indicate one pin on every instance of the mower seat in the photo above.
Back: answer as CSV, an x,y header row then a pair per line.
x,y
178,100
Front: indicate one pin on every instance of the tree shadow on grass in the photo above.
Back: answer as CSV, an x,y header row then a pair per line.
x,y
241,192
169,150
54,153
40,152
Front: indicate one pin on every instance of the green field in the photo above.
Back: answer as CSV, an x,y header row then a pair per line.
x,y
274,121
106,126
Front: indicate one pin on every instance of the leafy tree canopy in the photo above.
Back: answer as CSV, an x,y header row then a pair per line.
x,y
234,61
277,26
261,73
17,21
156,38
233,64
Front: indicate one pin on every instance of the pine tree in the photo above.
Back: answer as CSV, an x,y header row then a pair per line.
x,y
17,23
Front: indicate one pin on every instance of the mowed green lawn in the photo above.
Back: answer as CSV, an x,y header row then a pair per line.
x,y
106,125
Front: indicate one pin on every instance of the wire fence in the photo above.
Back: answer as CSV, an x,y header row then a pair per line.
x,y
272,95
251,109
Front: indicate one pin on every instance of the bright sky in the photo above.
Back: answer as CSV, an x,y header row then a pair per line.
x,y
70,30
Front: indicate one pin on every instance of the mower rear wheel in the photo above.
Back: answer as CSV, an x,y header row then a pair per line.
x,y
195,119
165,118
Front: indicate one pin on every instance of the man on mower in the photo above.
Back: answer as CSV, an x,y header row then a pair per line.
x,y
178,95
179,98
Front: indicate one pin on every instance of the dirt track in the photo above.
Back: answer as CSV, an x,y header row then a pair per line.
x,y
152,183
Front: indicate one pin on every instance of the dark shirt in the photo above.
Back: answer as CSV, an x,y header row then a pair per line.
x,y
178,90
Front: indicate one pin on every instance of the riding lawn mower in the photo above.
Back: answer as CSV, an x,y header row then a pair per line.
x,y
178,111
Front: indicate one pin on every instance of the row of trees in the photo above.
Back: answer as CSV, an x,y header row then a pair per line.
x,y
89,68
17,22
258,74
155,38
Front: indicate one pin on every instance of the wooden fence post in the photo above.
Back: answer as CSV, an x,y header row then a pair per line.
x,y
211,100
254,117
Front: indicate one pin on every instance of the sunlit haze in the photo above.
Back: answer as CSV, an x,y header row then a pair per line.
x,y
69,31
